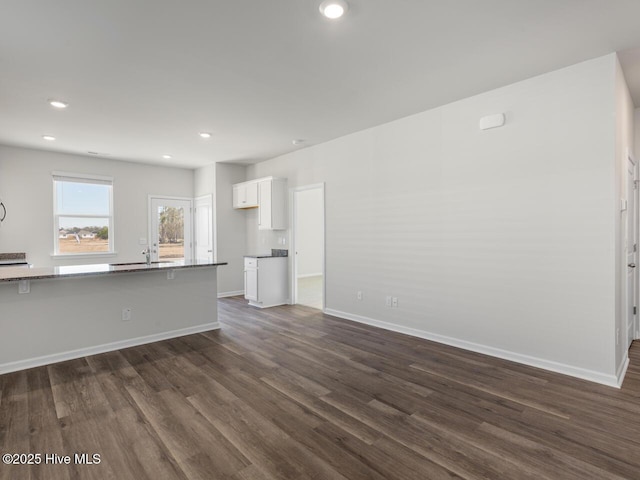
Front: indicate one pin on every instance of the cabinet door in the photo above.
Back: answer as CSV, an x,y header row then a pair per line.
x,y
251,284
251,194
238,196
264,205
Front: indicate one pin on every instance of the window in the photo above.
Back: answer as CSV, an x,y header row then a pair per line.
x,y
82,214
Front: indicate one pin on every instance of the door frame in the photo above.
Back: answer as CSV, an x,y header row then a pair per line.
x,y
293,284
151,198
633,197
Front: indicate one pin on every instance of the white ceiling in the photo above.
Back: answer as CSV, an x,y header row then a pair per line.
x,y
144,77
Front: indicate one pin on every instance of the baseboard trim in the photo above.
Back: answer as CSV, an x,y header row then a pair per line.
x,y
230,294
584,374
106,347
307,275
622,371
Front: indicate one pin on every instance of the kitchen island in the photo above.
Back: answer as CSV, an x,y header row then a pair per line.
x,y
51,314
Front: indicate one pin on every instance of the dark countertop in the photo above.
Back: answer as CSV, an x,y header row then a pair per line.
x,y
274,253
15,274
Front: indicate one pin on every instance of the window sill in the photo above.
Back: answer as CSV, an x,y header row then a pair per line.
x,y
84,255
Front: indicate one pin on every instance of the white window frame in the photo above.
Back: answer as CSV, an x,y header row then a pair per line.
x,y
82,178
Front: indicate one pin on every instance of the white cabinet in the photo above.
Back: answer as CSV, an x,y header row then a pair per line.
x,y
269,194
265,281
245,195
272,204
251,279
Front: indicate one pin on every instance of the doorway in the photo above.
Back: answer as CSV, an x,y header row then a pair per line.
x,y
308,277
631,243
170,236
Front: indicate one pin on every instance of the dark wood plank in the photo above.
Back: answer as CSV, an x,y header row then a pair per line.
x,y
291,393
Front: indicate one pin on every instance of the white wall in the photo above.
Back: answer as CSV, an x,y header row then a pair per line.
x,y
310,232
231,230
204,180
26,188
502,241
70,318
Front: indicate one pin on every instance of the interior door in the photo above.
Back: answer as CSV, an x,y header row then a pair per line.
x,y
170,229
632,250
203,227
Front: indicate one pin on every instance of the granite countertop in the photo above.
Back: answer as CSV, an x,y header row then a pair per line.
x,y
274,253
14,274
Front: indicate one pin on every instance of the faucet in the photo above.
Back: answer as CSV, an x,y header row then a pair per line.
x,y
147,253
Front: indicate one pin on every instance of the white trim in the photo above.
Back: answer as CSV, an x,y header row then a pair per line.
x,y
150,220
591,375
90,179
293,288
230,294
107,347
71,176
307,275
622,371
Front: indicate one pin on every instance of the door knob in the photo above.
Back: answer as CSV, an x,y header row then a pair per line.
x,y
632,265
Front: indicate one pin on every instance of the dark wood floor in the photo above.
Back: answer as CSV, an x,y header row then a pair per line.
x,y
291,393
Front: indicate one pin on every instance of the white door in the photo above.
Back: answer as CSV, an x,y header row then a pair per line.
x,y
203,227
632,250
170,220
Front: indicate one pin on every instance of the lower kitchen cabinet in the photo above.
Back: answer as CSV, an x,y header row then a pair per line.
x,y
265,281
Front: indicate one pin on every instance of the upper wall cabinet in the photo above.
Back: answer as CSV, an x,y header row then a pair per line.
x,y
272,206
245,195
269,194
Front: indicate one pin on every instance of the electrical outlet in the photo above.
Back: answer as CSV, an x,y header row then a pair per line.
x,y
388,302
394,302
617,336
359,296
171,274
142,241
24,286
126,314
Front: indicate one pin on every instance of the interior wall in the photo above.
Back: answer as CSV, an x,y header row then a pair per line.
x,y
624,144
500,241
204,180
636,130
310,232
230,230
72,317
26,187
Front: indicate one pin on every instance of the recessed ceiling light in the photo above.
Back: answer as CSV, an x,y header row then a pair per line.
x,y
205,134
58,104
167,157
333,8
50,138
